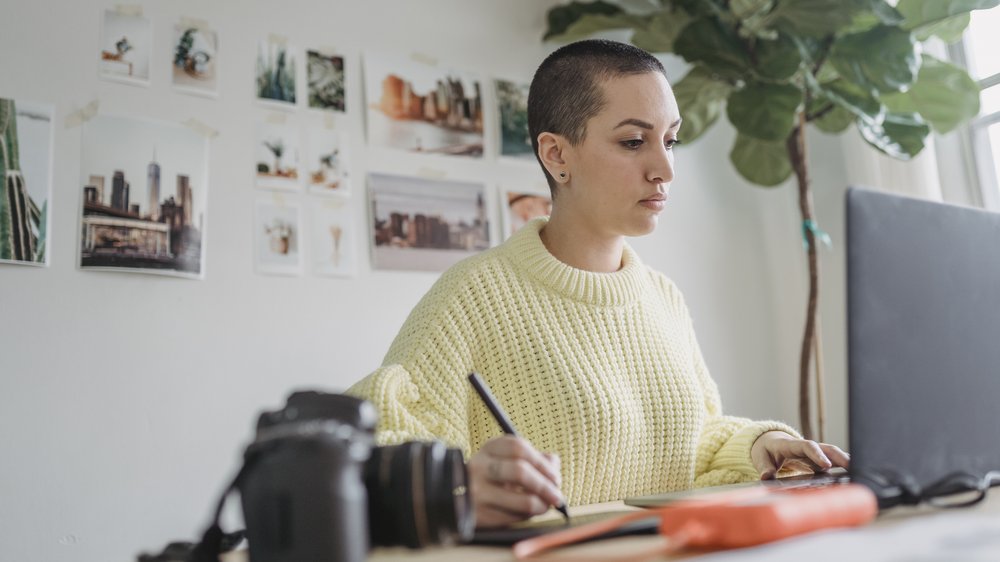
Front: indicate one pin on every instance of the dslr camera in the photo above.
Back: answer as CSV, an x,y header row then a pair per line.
x,y
314,487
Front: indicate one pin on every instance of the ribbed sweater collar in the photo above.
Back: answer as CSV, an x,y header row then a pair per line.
x,y
529,254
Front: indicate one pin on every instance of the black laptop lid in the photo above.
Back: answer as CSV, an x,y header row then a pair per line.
x,y
923,336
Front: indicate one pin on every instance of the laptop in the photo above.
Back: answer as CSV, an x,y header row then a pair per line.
x,y
923,318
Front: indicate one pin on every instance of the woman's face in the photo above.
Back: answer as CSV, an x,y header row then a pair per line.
x,y
620,173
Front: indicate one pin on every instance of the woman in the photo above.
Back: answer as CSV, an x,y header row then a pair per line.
x,y
592,354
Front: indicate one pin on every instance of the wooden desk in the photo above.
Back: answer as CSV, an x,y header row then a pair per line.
x,y
899,534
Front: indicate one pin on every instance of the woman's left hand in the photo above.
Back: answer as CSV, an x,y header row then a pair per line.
x,y
776,449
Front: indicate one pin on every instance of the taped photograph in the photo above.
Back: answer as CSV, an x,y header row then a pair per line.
x,y
326,161
512,102
195,52
278,238
325,77
144,197
126,44
333,243
276,149
423,224
26,165
276,72
419,106
518,206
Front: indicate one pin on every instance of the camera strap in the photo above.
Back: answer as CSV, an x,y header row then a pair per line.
x,y
214,540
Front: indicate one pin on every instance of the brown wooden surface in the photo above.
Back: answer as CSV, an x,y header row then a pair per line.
x,y
632,549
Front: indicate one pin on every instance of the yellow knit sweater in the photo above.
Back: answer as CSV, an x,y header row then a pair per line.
x,y
601,368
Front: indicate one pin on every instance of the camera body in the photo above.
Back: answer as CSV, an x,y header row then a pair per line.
x,y
316,488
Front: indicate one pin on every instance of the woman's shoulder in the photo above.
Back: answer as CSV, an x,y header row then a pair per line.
x,y
472,275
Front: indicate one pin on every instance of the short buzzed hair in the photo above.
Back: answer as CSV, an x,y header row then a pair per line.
x,y
566,90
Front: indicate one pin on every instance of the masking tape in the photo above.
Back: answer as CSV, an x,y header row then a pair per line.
x,y
128,10
329,122
277,118
278,198
81,116
201,128
432,174
278,39
426,59
199,24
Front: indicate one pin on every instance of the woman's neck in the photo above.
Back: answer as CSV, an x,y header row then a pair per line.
x,y
577,245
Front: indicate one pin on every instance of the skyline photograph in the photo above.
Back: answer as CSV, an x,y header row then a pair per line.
x,y
144,188
419,107
423,224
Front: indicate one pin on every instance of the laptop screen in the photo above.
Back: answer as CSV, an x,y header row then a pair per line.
x,y
923,336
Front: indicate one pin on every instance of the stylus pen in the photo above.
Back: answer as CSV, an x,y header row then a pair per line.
x,y
501,417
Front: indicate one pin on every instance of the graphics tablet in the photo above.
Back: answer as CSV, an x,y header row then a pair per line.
x,y
510,535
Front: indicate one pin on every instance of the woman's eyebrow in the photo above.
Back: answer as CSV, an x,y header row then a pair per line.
x,y
643,124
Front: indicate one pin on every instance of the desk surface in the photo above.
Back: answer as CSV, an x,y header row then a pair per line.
x,y
899,534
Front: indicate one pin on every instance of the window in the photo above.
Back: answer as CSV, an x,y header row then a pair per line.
x,y
979,49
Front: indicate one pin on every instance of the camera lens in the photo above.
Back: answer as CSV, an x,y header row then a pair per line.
x,y
418,495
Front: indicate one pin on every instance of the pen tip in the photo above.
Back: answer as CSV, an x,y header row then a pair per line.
x,y
562,509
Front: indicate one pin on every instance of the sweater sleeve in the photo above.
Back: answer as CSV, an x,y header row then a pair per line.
x,y
723,454
420,390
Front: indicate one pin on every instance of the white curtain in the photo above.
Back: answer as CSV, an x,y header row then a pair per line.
x,y
868,167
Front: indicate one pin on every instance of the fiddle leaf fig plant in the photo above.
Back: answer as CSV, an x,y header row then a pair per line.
x,y
774,67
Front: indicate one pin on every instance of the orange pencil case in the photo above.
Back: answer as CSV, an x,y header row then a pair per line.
x,y
737,519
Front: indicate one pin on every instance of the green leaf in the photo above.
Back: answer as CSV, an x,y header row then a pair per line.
x,y
921,16
836,120
816,18
854,99
562,17
707,42
944,95
700,97
744,9
900,135
703,7
778,59
948,30
589,24
764,111
878,12
760,162
660,32
883,58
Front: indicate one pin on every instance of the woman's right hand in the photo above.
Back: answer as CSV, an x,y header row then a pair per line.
x,y
511,481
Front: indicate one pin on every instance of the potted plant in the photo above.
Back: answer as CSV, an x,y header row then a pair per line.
x,y
777,66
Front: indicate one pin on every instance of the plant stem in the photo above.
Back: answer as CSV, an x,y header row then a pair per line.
x,y
796,145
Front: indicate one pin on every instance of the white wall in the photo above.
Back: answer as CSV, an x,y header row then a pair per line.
x,y
125,400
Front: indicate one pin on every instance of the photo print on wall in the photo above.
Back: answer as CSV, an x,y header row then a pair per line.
x,y
425,224
519,206
276,72
512,102
326,161
332,242
26,166
325,77
277,237
126,44
421,107
195,56
144,197
276,149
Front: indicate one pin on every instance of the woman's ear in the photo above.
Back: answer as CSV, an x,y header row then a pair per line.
x,y
552,151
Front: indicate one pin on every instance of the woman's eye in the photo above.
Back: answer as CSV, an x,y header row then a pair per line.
x,y
670,143
632,144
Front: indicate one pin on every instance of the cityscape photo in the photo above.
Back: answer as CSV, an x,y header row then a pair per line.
x,y
144,193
